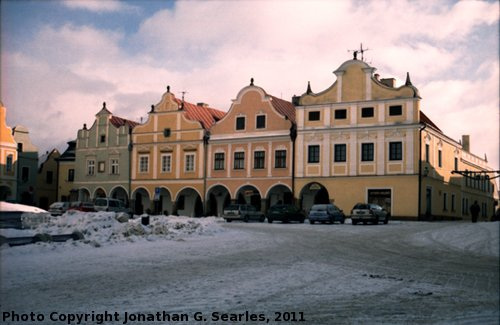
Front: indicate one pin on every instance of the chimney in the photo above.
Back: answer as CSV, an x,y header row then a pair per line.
x,y
466,142
377,77
389,82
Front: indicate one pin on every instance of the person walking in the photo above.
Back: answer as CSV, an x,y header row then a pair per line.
x,y
474,211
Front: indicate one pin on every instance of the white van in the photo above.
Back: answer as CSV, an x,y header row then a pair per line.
x,y
107,204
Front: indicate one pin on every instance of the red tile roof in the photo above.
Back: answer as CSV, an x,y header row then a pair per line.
x,y
118,121
207,116
284,107
426,120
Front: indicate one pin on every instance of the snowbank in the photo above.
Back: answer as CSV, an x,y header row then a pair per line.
x,y
480,238
13,207
103,228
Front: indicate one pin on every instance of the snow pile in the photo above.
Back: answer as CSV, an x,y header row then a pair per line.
x,y
480,238
103,228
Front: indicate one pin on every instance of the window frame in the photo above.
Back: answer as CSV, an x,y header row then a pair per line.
x,y
166,163
395,110
280,158
340,114
339,152
219,160
143,162
114,166
90,167
262,116
259,159
238,127
190,162
310,114
368,152
239,160
313,154
367,109
395,151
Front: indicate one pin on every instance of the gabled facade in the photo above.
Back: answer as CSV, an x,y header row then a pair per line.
x,y
365,140
8,159
169,152
102,158
27,164
251,152
46,184
66,191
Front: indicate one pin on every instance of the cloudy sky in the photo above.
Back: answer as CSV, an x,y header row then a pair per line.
x,y
61,59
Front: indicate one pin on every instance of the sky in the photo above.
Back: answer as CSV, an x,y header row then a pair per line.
x,y
60,60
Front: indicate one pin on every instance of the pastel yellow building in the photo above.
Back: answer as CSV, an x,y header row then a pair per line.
x,y
8,159
251,152
364,140
168,157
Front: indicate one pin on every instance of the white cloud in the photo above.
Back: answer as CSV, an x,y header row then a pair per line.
x,y
99,6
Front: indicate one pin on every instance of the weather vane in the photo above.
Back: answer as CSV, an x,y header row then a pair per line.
x,y
361,50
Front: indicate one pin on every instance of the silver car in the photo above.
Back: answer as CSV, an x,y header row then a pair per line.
x,y
326,213
58,208
244,212
369,212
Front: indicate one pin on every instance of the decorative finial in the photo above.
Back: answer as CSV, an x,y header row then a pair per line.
x,y
103,104
152,108
251,81
85,126
168,89
408,81
309,91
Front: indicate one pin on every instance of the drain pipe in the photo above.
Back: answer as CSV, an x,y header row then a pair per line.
x,y
419,210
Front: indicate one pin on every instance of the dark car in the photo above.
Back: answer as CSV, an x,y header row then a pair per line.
x,y
326,213
285,213
82,206
244,212
369,212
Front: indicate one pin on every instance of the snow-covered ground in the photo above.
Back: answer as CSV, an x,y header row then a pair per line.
x,y
403,272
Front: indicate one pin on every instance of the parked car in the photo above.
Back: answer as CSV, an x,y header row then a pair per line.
x,y
326,213
369,212
108,204
285,213
58,208
82,206
244,212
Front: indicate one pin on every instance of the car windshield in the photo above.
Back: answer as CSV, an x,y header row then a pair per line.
x,y
232,207
56,205
100,202
361,206
322,207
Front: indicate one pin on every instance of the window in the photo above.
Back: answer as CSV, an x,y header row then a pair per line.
x,y
190,162
427,149
219,161
261,122
71,175
166,133
166,163
314,116
9,163
395,110
20,147
143,164
49,176
453,202
340,114
445,201
280,159
367,112
103,138
90,167
239,160
456,163
395,150
259,158
367,152
25,174
101,167
340,153
115,170
240,123
313,154
440,158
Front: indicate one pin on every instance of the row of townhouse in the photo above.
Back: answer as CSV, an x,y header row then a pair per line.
x,y
360,140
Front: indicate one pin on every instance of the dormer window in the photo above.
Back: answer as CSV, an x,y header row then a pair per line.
x,y
240,123
260,122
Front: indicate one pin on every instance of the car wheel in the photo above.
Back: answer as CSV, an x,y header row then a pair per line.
x,y
354,222
342,221
262,219
386,220
269,220
364,222
375,222
245,218
311,222
228,220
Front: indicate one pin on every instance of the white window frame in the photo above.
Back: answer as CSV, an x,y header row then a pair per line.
x,y
141,169
114,166
166,163
265,121
90,167
189,167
